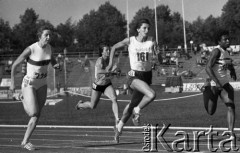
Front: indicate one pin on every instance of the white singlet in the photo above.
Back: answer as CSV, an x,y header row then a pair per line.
x,y
37,63
37,66
140,54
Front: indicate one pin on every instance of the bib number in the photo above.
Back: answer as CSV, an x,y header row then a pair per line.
x,y
94,86
26,82
142,57
40,75
131,73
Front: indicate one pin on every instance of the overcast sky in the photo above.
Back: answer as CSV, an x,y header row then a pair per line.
x,y
58,11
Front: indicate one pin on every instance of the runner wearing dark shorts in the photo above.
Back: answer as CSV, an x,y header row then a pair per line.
x,y
141,50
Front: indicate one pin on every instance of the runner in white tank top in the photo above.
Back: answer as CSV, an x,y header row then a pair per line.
x,y
218,65
37,66
140,54
141,50
34,85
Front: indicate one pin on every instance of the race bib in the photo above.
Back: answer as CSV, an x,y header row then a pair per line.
x,y
131,73
94,86
26,82
40,75
142,57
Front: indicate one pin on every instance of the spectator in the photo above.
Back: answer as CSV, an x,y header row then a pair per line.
x,y
86,63
174,57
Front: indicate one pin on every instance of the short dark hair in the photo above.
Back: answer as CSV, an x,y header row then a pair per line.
x,y
101,50
219,34
41,29
140,22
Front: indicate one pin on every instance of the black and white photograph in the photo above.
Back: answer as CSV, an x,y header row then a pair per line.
x,y
119,76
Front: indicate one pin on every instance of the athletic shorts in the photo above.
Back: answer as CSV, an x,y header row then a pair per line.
x,y
211,90
34,83
141,75
100,88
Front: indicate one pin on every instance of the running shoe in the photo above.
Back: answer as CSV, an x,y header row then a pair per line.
x,y
78,106
117,134
232,136
28,146
136,118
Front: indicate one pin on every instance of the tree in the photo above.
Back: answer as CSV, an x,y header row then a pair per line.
x,y
211,26
176,30
198,30
231,18
66,34
166,26
113,23
104,26
25,33
5,35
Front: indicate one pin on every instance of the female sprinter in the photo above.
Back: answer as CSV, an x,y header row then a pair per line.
x,y
34,84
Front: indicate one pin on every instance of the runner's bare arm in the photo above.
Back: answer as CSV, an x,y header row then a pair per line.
x,y
54,62
99,66
232,72
18,61
116,46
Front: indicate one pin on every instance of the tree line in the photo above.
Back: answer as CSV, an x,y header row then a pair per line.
x,y
107,25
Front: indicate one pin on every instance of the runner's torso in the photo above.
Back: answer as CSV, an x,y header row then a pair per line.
x,y
219,68
100,66
38,61
140,54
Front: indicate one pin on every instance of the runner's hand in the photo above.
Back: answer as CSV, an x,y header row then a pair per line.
x,y
108,68
114,68
56,66
12,87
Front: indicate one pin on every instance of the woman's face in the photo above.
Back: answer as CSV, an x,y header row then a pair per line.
x,y
105,51
45,38
143,30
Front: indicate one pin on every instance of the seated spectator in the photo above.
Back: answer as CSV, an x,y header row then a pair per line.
x,y
167,58
67,60
174,71
188,74
80,61
164,72
174,57
204,56
168,55
195,49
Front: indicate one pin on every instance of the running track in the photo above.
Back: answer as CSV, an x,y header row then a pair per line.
x,y
92,139
69,139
